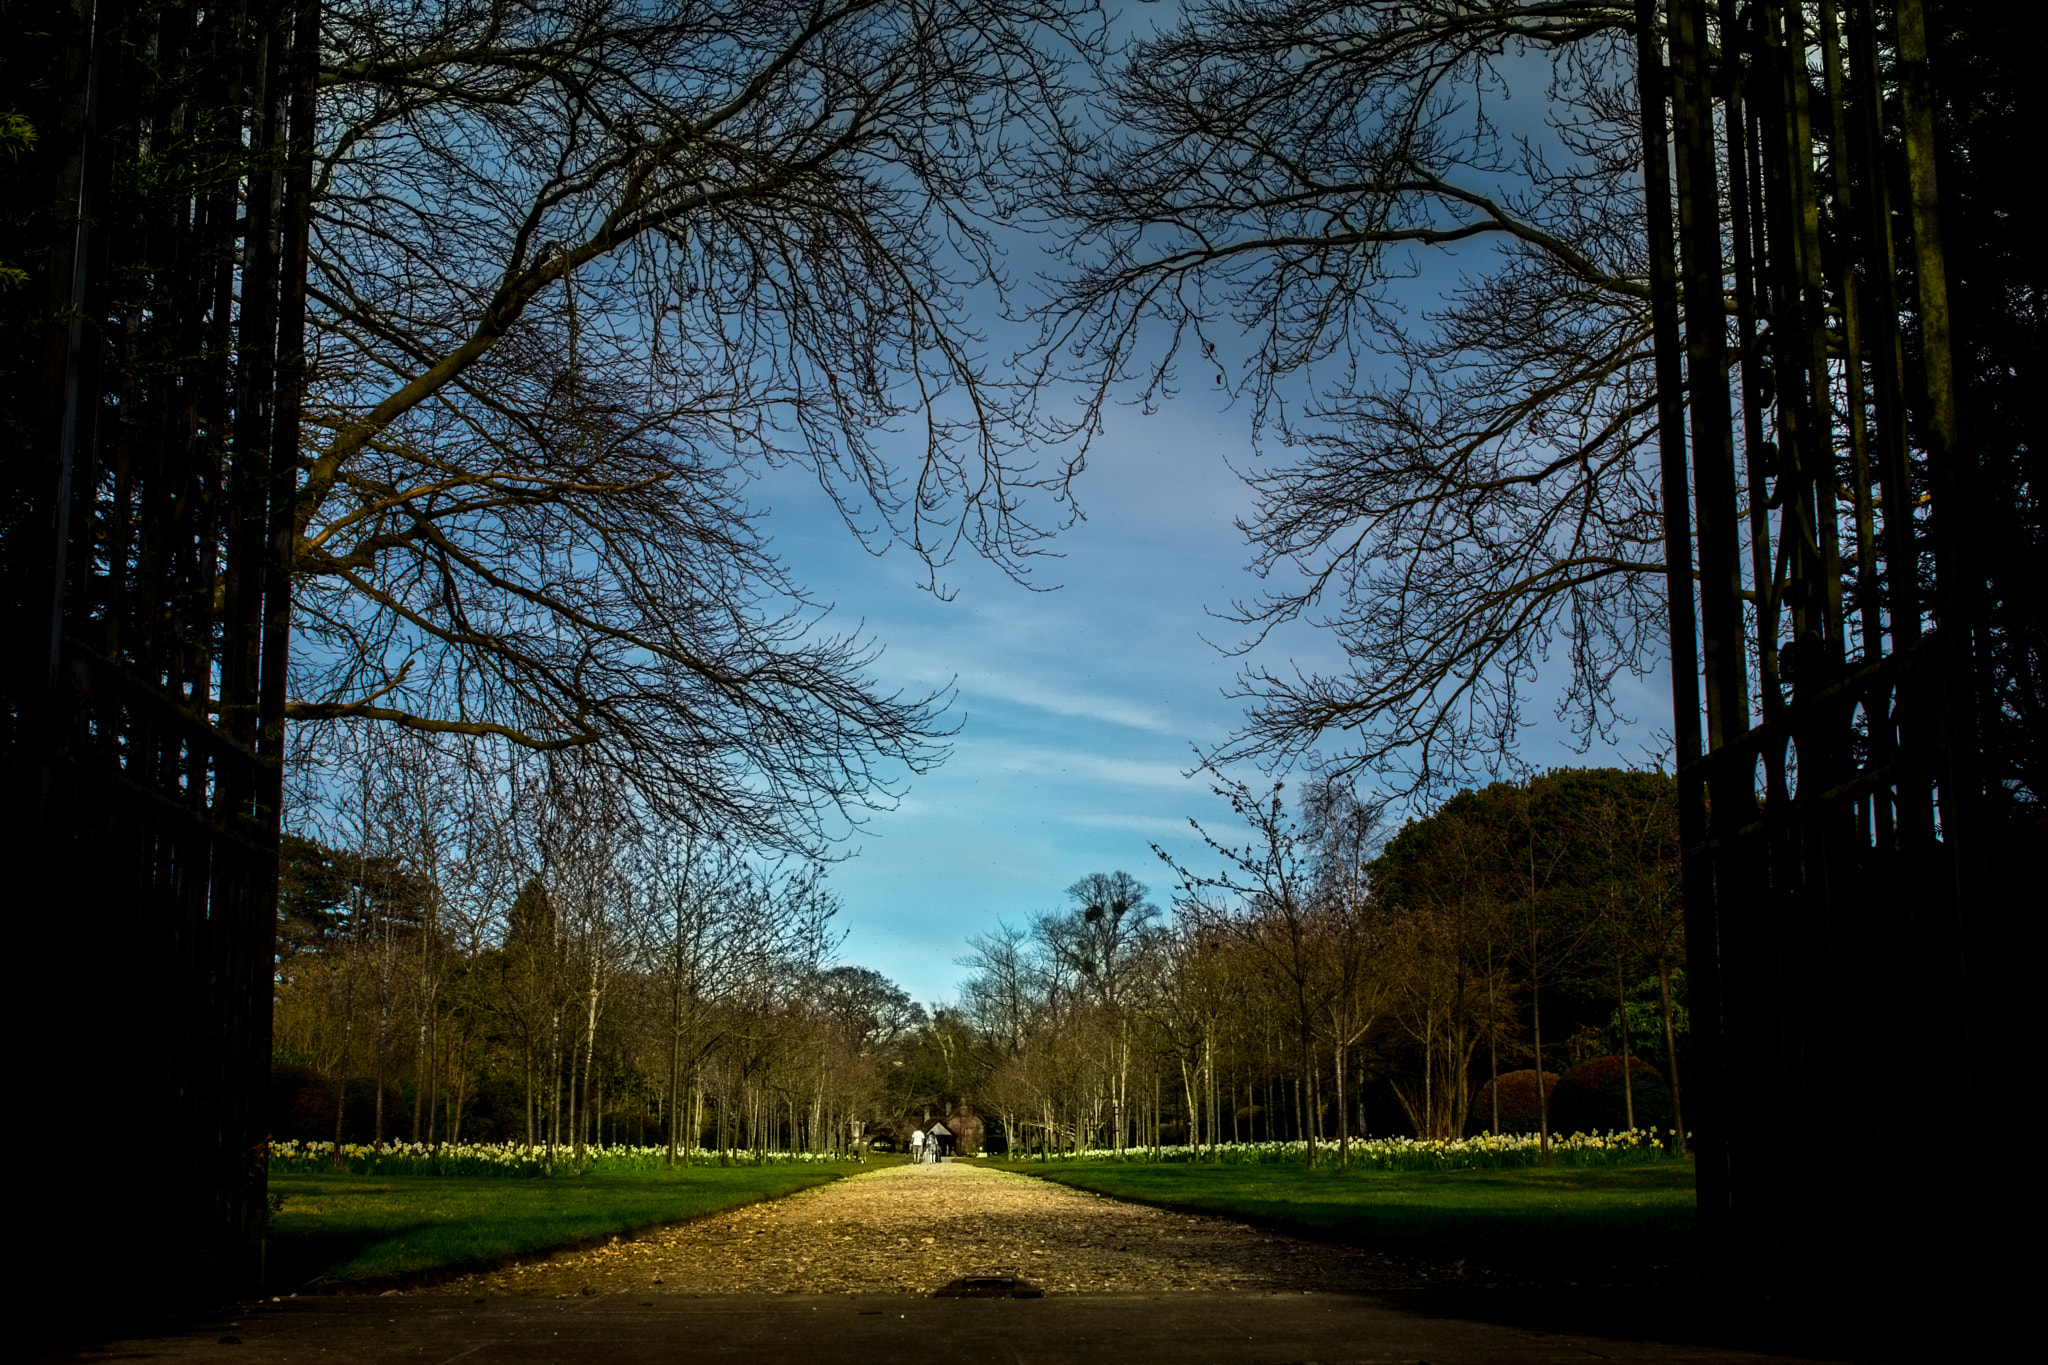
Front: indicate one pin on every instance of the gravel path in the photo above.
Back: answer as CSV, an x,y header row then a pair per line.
x,y
913,1229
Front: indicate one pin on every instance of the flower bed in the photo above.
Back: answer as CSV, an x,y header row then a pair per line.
x,y
1481,1152
515,1159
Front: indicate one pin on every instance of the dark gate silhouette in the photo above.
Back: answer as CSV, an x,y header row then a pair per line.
x,y
151,502
1836,864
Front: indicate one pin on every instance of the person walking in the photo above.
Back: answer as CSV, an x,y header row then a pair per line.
x,y
916,1146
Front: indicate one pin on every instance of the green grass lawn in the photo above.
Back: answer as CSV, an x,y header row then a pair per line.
x,y
359,1231
1526,1214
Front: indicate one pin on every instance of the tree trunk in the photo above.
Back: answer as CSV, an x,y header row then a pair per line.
x,y
1542,1090
383,1020
1428,1107
675,1080
1670,1049
1307,1092
1628,1094
419,1090
1492,1046
455,1109
348,1027
590,1054
1215,1116
423,1093
434,1064
1343,1112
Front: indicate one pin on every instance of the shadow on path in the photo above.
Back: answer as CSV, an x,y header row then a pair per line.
x,y
1110,1329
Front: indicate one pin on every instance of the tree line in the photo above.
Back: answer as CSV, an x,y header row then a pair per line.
x,y
1330,978
524,954
468,954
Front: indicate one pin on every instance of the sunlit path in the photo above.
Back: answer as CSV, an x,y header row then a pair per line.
x,y
913,1229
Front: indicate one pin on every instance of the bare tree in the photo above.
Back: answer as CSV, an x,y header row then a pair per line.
x,y
1442,875
1263,898
1467,482
578,273
1631,836
720,932
1208,977
1361,962
1101,939
998,996
387,837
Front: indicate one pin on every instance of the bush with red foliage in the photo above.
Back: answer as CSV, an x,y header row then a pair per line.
x,y
1519,1104
302,1104
1590,1098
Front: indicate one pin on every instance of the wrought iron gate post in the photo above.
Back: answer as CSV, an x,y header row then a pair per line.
x,y
143,763
1831,819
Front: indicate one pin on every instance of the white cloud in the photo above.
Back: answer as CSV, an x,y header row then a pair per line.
x,y
1061,702
1151,826
1072,765
1019,687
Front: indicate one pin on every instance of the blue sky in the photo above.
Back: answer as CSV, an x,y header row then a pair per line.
x,y
1079,708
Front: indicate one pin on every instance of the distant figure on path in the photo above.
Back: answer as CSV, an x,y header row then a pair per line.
x,y
916,1146
941,1140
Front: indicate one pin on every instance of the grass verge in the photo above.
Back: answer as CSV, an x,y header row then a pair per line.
x,y
359,1232
1526,1216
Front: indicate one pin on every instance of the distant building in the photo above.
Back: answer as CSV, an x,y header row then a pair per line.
x,y
959,1132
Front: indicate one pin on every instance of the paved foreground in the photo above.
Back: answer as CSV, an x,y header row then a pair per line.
x,y
846,1273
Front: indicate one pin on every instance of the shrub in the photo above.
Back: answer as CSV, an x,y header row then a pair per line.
x,y
1520,1109
301,1103
1590,1098
493,1111
360,1123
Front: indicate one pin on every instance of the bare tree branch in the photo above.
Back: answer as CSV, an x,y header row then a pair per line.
x,y
1465,486
583,271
